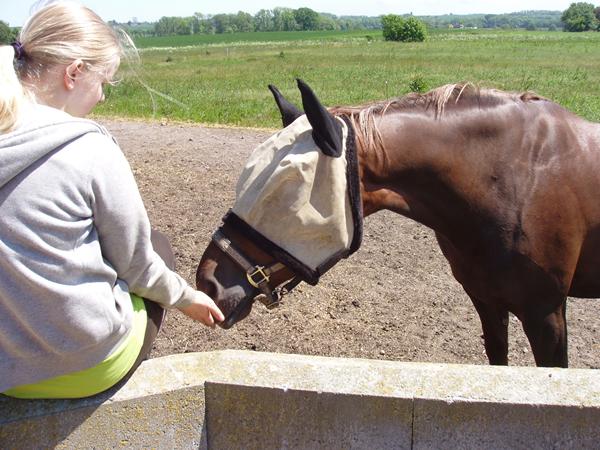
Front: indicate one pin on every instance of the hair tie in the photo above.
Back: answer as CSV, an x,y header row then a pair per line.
x,y
19,51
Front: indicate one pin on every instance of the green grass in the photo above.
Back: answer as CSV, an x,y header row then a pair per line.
x,y
244,38
222,79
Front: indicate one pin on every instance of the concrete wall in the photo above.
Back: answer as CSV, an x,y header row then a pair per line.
x,y
237,399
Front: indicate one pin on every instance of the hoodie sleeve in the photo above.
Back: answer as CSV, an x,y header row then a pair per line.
x,y
124,229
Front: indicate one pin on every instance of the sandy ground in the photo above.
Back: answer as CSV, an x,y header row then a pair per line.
x,y
394,299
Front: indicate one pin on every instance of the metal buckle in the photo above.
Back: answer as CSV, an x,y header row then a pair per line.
x,y
260,271
272,300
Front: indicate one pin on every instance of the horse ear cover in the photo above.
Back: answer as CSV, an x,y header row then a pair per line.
x,y
288,111
327,130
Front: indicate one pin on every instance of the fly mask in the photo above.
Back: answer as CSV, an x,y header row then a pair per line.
x,y
298,197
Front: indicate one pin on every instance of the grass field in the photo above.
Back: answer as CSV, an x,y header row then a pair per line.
x,y
223,79
241,38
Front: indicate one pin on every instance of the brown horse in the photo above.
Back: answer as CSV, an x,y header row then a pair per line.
x,y
509,183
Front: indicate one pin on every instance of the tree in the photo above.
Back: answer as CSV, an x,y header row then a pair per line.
x,y
203,24
413,31
529,25
263,20
244,22
327,22
284,20
165,26
223,23
7,35
391,26
395,28
579,17
306,18
168,26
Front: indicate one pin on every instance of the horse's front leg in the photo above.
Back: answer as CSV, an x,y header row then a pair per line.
x,y
493,316
494,322
547,334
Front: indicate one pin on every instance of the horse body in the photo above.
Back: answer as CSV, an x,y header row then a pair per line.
x,y
509,184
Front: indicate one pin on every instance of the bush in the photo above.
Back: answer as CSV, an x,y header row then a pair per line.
x,y
395,28
418,84
579,17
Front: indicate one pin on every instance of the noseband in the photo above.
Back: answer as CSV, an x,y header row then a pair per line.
x,y
258,276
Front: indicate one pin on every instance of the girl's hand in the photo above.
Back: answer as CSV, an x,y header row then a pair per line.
x,y
203,310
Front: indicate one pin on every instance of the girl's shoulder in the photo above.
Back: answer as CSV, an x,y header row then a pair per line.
x,y
99,145
42,117
81,141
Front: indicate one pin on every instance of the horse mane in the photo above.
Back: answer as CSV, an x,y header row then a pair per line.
x,y
436,101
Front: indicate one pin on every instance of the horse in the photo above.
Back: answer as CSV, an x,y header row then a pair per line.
x,y
509,183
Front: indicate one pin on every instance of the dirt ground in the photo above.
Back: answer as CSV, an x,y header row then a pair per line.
x,y
394,299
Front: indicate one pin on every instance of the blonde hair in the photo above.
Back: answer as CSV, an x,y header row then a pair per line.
x,y
57,34
11,91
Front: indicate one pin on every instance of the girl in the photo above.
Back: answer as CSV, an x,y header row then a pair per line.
x,y
77,253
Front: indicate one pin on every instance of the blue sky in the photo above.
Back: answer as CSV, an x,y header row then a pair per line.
x,y
15,12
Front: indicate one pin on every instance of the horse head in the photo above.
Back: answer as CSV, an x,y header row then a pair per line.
x,y
297,211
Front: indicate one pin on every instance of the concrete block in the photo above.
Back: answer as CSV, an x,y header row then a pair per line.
x,y
166,421
154,409
240,399
467,424
249,417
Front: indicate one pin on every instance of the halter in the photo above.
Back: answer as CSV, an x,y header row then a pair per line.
x,y
258,276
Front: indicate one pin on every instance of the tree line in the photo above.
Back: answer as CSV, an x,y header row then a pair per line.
x,y
306,19
277,19
579,16
530,20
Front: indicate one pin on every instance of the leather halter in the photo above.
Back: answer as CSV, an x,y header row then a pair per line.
x,y
258,276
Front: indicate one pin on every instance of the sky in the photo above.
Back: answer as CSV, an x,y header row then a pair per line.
x,y
15,12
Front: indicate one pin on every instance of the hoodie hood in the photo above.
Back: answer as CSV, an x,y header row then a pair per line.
x,y
42,130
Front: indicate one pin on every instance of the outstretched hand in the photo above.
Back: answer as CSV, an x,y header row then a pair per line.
x,y
203,310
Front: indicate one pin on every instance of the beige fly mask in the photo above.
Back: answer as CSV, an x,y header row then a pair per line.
x,y
303,202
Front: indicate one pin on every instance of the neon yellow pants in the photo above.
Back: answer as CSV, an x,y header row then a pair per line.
x,y
96,379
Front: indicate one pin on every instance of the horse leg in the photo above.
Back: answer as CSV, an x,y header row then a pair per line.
x,y
494,319
494,322
547,334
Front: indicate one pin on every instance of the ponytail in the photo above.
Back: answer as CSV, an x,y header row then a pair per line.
x,y
12,94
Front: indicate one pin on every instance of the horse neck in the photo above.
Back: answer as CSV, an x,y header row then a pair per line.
x,y
417,171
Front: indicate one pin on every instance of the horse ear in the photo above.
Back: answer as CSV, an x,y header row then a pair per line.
x,y
327,130
288,111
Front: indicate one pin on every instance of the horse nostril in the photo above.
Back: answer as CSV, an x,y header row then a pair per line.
x,y
210,287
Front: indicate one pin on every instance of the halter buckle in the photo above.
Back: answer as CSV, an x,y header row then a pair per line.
x,y
257,270
269,299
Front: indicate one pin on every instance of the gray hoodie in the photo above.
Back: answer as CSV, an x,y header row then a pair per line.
x,y
74,241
